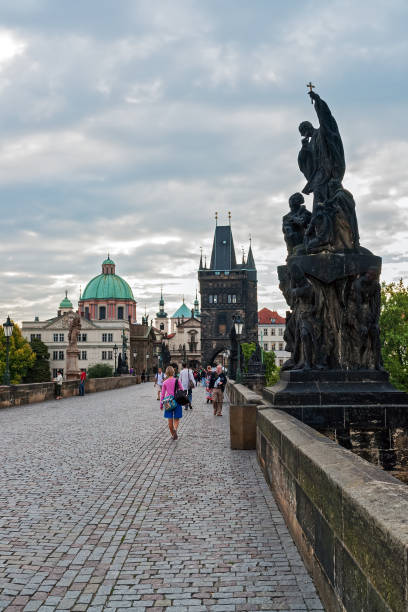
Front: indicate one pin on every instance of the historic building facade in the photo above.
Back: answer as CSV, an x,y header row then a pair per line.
x,y
227,289
107,306
181,333
271,329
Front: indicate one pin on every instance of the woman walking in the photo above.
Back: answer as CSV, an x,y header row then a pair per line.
x,y
169,388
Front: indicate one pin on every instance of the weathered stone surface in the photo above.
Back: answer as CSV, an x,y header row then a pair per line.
x,y
349,516
102,510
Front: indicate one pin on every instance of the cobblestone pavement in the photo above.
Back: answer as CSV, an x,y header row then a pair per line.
x,y
101,510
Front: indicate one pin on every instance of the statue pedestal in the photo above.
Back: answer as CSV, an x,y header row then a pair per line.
x,y
72,372
331,398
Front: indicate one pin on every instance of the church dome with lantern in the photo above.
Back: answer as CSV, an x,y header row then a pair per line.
x,y
108,296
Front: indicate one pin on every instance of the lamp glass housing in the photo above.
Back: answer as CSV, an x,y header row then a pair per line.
x,y
8,328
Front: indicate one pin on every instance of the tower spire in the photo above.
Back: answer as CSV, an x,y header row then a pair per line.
x,y
201,258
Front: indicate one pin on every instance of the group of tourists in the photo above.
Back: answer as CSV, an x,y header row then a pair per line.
x,y
174,391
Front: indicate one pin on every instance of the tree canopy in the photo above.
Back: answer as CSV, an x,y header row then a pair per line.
x,y
100,370
21,355
394,332
40,370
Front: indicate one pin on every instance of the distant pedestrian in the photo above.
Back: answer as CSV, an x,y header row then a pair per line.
x,y
158,382
173,414
58,385
143,376
187,382
208,391
82,384
218,381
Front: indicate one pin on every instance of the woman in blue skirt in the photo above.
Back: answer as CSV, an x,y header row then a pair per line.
x,y
169,388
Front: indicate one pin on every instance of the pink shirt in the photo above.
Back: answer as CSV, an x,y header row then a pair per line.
x,y
168,388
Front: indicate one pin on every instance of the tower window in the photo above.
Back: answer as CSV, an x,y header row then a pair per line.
x,y
210,299
234,299
120,312
215,299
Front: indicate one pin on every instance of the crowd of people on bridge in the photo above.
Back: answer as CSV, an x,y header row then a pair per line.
x,y
174,391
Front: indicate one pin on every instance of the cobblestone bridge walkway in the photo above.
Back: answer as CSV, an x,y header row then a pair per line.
x,y
100,510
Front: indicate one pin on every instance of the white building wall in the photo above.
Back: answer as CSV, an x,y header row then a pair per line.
x,y
270,338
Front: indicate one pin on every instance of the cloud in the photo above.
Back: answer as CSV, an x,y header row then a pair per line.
x,y
126,128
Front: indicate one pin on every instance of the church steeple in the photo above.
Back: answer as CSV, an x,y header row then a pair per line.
x,y
161,314
196,310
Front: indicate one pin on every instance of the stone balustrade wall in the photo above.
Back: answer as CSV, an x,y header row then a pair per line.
x,y
347,516
17,395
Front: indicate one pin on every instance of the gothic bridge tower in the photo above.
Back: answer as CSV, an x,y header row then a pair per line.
x,y
226,289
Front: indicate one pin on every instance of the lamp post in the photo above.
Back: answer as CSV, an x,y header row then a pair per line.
x,y
147,367
134,362
8,330
115,352
238,324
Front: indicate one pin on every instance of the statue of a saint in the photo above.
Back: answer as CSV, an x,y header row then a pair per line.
x,y
74,328
295,222
321,157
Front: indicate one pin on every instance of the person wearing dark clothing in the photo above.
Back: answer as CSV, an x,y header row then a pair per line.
x,y
143,376
218,381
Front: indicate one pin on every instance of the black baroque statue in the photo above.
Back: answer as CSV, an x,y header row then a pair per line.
x,y
330,282
321,156
294,224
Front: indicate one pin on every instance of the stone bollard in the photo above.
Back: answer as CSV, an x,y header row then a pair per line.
x,y
243,426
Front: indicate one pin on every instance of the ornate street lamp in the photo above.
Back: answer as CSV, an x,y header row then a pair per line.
x,y
8,330
238,324
134,362
115,352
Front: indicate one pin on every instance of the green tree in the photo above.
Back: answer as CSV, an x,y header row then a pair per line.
x,y
247,349
100,370
40,371
271,369
21,356
394,332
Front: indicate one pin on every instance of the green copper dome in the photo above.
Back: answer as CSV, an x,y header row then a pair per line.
x,y
107,285
66,303
183,312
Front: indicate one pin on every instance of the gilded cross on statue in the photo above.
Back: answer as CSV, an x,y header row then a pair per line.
x,y
310,86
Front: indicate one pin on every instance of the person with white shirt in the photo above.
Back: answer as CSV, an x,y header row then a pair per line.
x,y
187,381
159,379
58,385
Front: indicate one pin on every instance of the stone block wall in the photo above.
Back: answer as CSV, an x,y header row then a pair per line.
x,y
347,517
17,395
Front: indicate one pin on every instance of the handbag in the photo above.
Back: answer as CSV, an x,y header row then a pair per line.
x,y
169,401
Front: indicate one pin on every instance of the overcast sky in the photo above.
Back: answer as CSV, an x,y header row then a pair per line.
x,y
126,124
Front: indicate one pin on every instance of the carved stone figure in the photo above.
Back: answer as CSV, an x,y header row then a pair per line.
x,y
72,371
294,224
74,328
367,292
345,231
319,235
307,332
321,156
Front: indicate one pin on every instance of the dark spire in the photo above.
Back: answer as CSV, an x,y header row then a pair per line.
x,y
201,258
223,251
250,259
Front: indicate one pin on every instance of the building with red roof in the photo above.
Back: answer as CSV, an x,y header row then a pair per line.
x,y
271,329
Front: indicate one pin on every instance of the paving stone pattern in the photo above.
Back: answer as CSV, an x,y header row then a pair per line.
x,y
101,510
